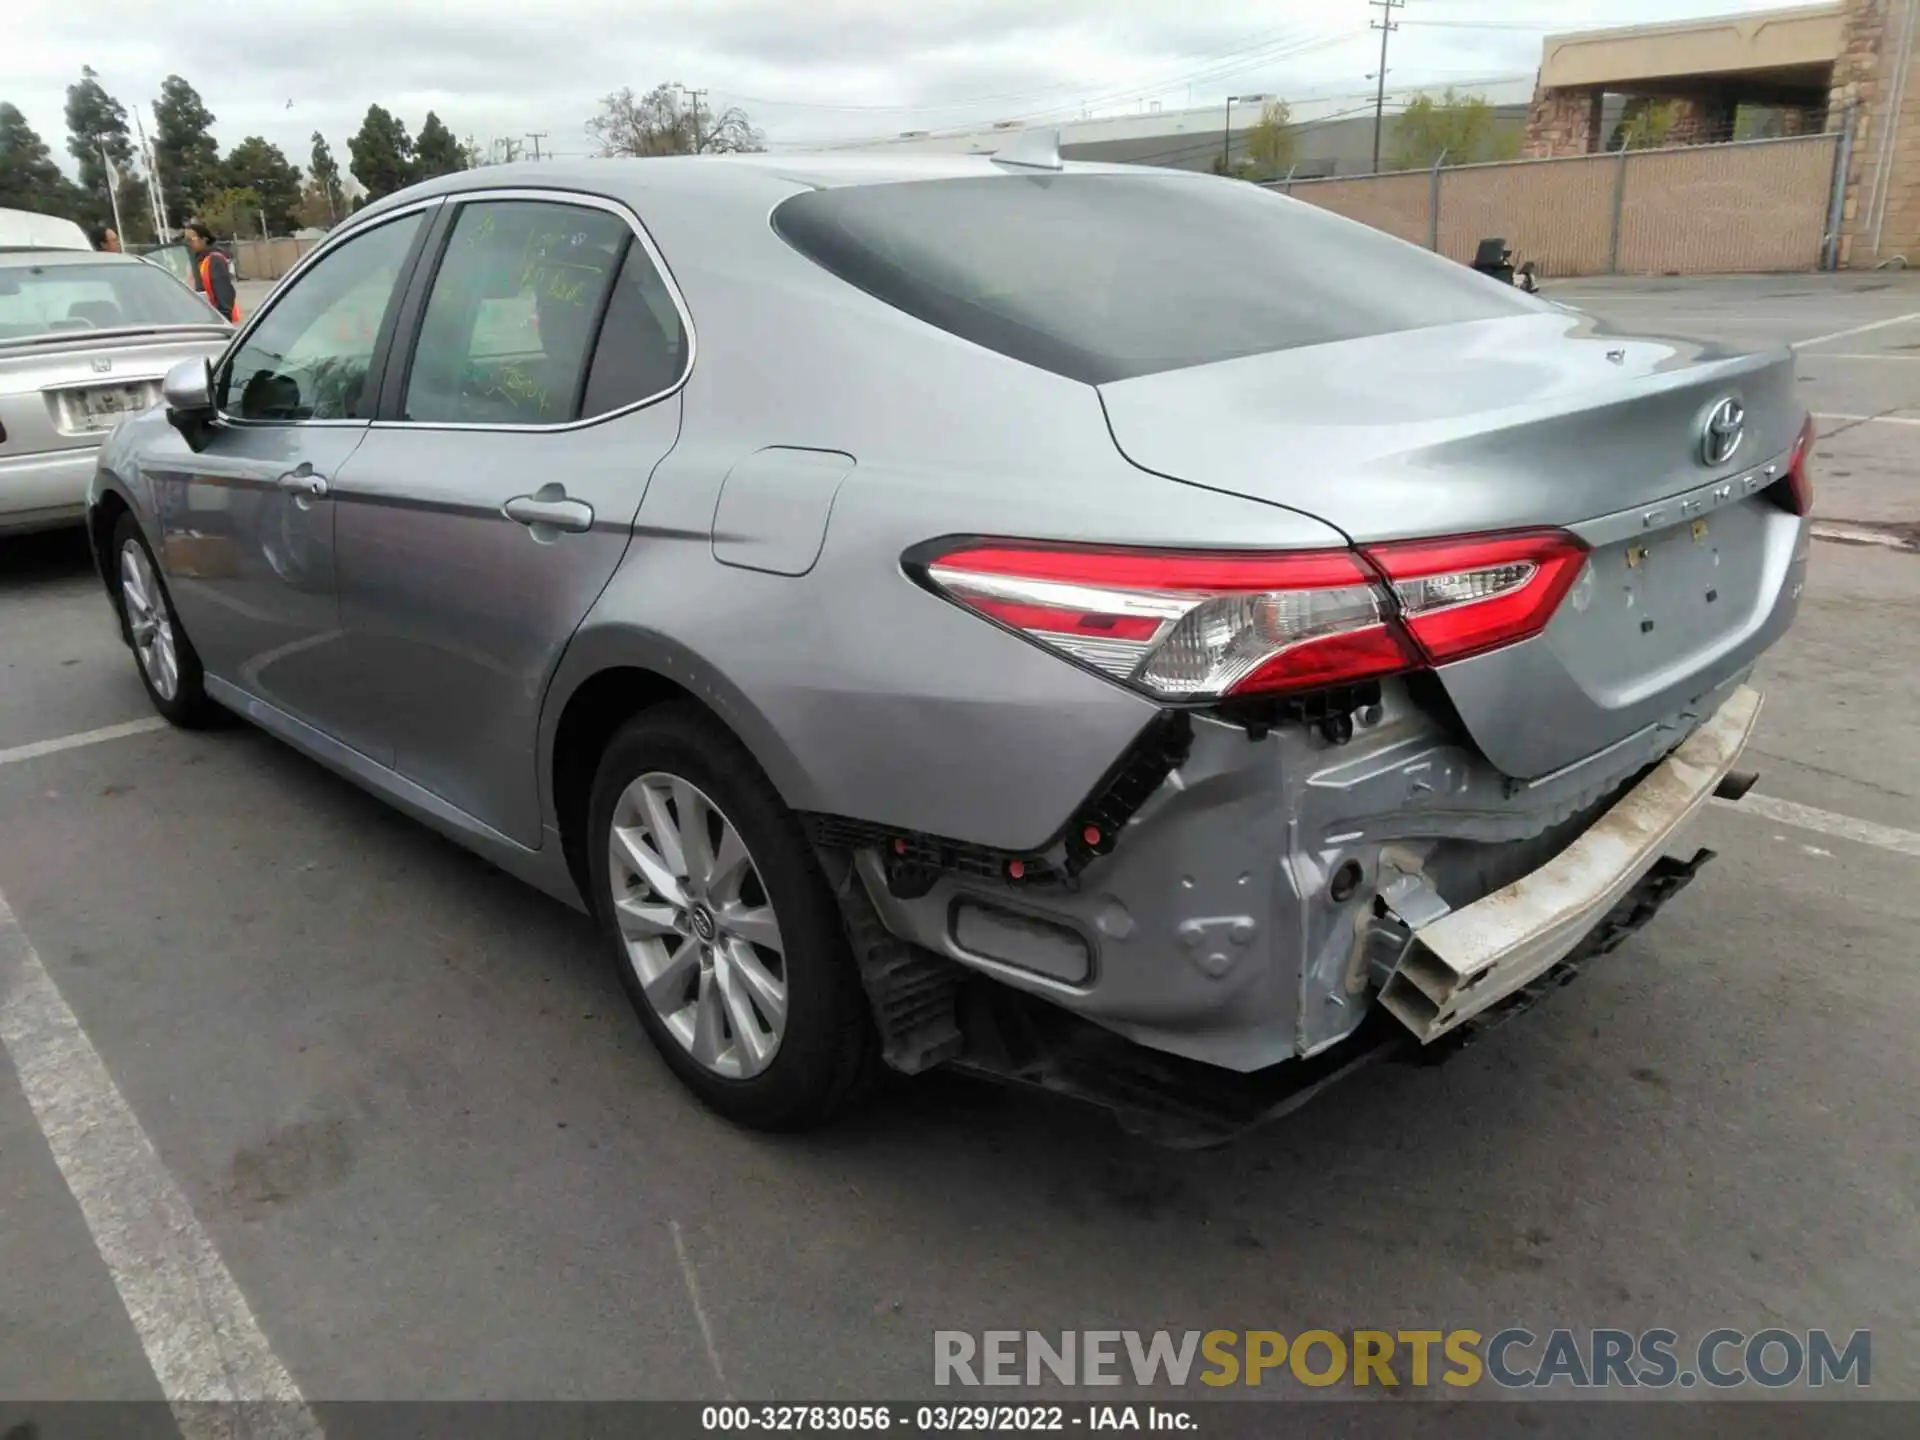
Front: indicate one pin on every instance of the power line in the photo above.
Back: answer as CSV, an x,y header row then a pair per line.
x,y
1386,25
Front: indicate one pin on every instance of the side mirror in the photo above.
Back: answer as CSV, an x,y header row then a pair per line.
x,y
188,391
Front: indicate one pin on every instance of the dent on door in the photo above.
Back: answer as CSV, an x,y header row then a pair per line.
x,y
773,507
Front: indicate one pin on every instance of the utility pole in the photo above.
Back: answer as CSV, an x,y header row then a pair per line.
x,y
537,136
696,96
113,188
161,230
1386,25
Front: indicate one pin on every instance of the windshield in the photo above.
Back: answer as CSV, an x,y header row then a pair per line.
x,y
1103,277
53,299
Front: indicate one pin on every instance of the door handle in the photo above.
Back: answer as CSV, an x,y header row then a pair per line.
x,y
554,512
302,481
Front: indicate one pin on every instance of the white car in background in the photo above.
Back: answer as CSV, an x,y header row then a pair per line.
x,y
85,339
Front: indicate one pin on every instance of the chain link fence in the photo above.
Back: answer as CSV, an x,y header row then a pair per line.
x,y
1745,207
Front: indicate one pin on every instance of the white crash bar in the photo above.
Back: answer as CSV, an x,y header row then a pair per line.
x,y
1472,958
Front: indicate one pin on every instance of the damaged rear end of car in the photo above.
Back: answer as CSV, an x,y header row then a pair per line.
x,y
1395,786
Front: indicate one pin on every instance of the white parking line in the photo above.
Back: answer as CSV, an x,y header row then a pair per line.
x,y
1842,355
85,737
1858,330
1872,419
201,1339
699,1310
1825,822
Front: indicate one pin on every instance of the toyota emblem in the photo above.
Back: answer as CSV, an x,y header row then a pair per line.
x,y
1726,427
102,365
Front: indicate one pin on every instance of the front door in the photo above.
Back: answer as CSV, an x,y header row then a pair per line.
x,y
497,489
247,521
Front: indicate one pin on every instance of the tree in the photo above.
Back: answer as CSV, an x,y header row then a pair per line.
x,y
29,178
1451,130
136,210
659,123
436,152
97,121
326,175
313,211
1272,145
382,154
234,211
1644,124
262,168
184,150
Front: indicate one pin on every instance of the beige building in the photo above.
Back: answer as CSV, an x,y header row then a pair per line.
x,y
1847,67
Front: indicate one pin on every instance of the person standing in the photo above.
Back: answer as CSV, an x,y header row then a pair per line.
x,y
212,272
106,239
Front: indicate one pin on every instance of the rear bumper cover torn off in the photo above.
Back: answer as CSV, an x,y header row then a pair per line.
x,y
1461,963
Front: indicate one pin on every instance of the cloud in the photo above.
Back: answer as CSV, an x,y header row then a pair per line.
x,y
827,69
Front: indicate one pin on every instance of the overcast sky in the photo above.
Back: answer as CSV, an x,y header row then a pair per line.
x,y
804,70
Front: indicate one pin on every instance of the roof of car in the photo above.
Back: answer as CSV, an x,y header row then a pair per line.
x,y
67,257
773,174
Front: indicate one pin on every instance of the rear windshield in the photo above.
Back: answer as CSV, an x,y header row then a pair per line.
x,y
48,299
1104,277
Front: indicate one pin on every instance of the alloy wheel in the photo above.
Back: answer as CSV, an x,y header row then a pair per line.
x,y
149,621
698,925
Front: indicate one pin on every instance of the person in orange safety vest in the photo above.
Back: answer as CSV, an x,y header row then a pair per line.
x,y
212,272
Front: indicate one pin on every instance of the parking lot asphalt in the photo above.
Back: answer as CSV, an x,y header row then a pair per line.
x,y
402,1101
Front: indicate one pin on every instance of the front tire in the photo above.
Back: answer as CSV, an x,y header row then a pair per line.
x,y
168,664
727,938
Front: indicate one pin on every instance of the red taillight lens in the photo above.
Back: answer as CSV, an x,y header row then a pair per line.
x,y
1467,596
1187,626
1798,490
1182,625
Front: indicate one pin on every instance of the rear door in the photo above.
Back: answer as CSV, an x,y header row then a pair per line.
x,y
247,521
544,352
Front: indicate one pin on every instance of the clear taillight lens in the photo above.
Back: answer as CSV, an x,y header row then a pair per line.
x,y
1466,596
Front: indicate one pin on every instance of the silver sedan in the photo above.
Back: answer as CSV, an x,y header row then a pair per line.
x,y
85,340
1121,631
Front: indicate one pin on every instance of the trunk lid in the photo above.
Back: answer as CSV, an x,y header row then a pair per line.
x,y
68,393
1537,420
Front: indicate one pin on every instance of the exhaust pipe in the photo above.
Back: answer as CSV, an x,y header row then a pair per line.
x,y
1736,784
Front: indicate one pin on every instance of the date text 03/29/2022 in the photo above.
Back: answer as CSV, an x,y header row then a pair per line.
x,y
944,1419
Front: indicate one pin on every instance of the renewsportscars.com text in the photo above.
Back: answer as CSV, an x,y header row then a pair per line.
x,y
1512,1359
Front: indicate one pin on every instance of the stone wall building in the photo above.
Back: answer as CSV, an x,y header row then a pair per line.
x,y
1808,68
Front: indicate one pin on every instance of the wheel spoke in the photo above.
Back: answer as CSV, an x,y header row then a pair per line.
x,y
768,993
631,850
729,867
696,850
642,921
755,924
709,1039
662,831
666,987
750,1040
168,679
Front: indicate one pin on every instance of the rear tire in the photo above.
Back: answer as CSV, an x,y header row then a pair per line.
x,y
169,666
725,934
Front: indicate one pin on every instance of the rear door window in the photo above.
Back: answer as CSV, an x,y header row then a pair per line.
x,y
514,312
1103,277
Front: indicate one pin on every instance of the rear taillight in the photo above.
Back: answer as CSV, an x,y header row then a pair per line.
x,y
1465,597
1182,625
1795,489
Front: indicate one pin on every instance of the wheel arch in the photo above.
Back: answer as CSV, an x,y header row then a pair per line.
x,y
609,675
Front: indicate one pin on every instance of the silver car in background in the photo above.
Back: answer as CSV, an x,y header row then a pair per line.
x,y
1121,631
85,340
